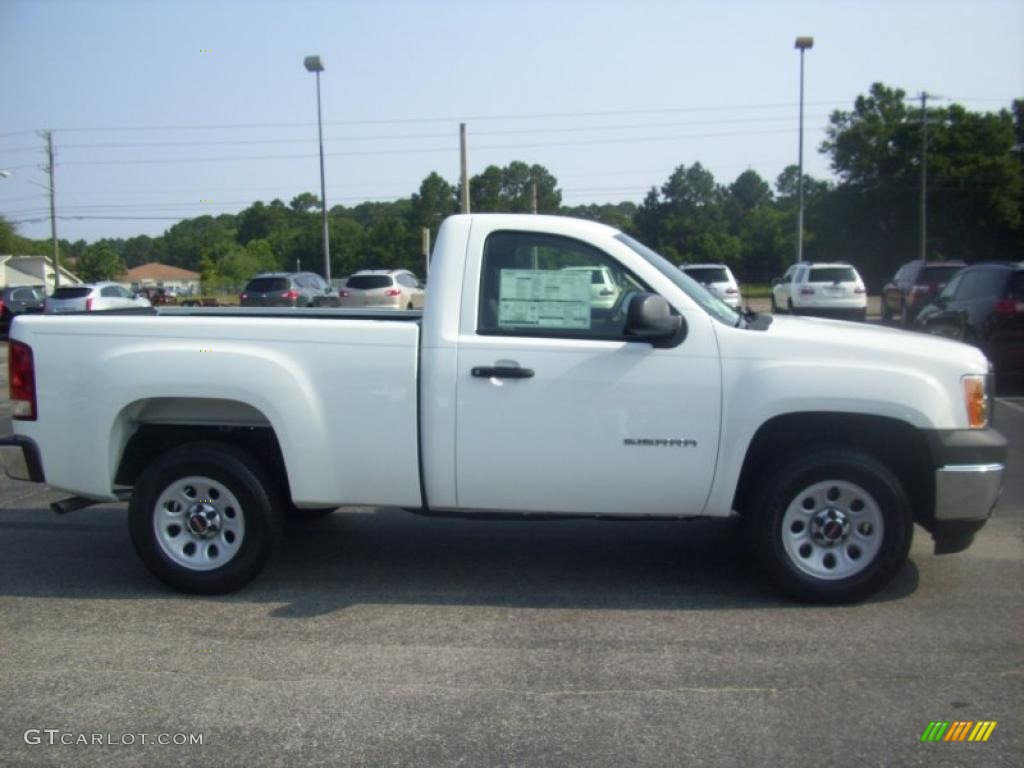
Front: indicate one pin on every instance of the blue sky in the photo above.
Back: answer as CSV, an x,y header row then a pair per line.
x,y
158,107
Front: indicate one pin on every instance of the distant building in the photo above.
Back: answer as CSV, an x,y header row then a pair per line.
x,y
32,270
156,275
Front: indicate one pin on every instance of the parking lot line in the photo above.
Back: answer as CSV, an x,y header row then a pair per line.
x,y
1014,403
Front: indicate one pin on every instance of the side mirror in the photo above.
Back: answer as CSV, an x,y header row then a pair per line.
x,y
776,280
650,318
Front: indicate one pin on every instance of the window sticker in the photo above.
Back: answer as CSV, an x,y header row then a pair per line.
x,y
541,298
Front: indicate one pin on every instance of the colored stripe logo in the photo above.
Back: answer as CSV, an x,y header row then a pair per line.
x,y
958,730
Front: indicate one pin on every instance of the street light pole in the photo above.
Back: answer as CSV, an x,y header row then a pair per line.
x,y
314,64
802,44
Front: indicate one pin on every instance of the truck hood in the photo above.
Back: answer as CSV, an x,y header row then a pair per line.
x,y
857,343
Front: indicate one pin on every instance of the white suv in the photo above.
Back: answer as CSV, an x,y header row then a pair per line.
x,y
833,289
718,279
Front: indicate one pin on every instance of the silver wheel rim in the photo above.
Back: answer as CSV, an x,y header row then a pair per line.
x,y
832,530
198,523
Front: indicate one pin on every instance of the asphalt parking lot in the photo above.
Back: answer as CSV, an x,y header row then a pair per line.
x,y
380,638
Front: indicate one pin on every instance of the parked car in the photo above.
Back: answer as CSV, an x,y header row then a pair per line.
x,y
514,397
383,289
158,296
983,305
913,286
285,289
19,299
604,291
718,279
93,297
827,289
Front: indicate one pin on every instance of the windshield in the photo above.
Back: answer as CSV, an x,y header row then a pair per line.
x,y
710,303
937,274
71,293
369,282
832,275
705,275
267,284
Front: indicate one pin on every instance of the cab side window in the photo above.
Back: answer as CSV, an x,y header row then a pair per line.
x,y
535,284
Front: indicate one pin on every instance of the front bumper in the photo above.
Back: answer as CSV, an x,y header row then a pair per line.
x,y
968,482
23,463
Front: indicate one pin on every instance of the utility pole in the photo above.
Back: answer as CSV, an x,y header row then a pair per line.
x,y
465,168
534,185
53,214
425,243
924,176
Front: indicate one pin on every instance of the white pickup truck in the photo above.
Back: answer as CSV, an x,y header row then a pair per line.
x,y
519,391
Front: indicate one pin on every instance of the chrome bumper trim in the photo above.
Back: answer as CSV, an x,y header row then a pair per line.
x,y
967,491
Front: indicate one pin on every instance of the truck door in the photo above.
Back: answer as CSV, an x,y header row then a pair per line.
x,y
556,411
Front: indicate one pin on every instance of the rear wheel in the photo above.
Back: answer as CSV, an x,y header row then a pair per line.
x,y
202,520
831,524
775,307
789,307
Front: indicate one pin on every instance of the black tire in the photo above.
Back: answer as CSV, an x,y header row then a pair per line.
x,y
789,307
775,307
870,545
244,535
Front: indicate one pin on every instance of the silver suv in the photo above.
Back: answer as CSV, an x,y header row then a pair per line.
x,y
93,298
383,289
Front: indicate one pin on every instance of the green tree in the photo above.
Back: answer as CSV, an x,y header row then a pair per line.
x,y
100,262
434,202
974,183
510,189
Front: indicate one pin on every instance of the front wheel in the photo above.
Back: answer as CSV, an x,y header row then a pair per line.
x,y
202,520
831,525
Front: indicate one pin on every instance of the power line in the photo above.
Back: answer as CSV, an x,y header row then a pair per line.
x,y
421,150
450,119
408,136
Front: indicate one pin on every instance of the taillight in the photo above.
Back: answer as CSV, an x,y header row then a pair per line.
x,y
290,295
859,289
731,291
806,291
88,304
244,296
1008,307
392,292
22,380
343,294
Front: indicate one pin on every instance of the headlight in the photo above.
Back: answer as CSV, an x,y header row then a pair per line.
x,y
976,400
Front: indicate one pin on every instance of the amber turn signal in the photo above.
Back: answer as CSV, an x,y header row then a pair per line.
x,y
976,400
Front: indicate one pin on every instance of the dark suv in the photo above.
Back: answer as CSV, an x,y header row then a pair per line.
x,y
914,285
286,289
17,300
984,305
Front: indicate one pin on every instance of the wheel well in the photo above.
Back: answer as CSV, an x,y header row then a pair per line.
x,y
897,444
153,440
